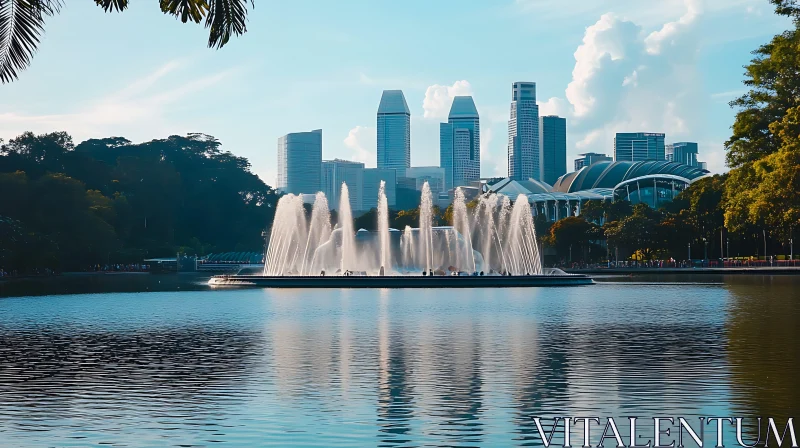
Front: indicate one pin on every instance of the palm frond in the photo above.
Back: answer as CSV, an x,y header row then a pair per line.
x,y
226,18
185,10
21,25
112,5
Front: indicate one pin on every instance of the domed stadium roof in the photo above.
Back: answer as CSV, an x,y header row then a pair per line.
x,y
611,174
513,188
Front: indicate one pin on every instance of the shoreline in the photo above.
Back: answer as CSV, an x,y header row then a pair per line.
x,y
767,270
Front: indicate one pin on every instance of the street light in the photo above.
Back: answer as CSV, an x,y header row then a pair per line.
x,y
690,253
705,251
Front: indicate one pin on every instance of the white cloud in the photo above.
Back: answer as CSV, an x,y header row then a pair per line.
x,y
439,98
362,141
136,110
553,106
626,79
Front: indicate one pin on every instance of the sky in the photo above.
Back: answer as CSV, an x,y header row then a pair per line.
x,y
608,66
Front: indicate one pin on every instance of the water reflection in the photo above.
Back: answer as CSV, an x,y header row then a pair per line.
x,y
762,339
389,367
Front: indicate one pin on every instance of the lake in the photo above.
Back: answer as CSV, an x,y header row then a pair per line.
x,y
182,365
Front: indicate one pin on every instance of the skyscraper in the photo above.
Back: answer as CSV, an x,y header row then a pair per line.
x,y
638,146
299,162
554,147
460,143
337,171
372,184
523,133
682,152
589,158
394,131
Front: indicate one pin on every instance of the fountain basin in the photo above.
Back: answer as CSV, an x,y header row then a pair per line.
x,y
400,281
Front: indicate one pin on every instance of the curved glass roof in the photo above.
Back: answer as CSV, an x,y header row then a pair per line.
x,y
610,174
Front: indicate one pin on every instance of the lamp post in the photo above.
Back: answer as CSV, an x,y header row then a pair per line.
x,y
705,251
791,249
690,253
728,247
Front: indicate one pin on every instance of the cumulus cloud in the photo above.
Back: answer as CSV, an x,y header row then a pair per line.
x,y
438,99
362,141
629,79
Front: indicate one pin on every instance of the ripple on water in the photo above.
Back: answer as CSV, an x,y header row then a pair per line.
x,y
387,368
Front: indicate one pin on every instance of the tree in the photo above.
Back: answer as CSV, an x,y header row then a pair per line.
x,y
761,189
638,232
22,24
108,200
774,89
571,235
764,193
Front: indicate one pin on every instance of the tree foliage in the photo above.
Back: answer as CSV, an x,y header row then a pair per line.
x,y
761,190
109,200
22,24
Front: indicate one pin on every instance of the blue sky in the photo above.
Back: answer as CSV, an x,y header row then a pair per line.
x,y
607,65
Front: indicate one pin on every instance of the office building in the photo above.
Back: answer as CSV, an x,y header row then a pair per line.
x,y
638,146
418,175
299,162
394,131
682,152
523,133
372,178
460,143
553,141
589,158
337,171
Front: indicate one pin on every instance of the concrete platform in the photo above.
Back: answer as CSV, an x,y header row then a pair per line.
x,y
522,281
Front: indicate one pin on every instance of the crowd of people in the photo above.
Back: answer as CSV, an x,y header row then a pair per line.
x,y
131,267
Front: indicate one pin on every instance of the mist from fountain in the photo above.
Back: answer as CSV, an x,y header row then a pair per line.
x,y
462,226
426,225
495,236
383,228
348,243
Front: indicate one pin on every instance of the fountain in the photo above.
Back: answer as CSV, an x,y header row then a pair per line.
x,y
492,242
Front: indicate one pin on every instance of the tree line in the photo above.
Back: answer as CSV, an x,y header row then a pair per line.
x,y
66,206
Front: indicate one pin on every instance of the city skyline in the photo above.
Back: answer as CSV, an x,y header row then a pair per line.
x,y
153,90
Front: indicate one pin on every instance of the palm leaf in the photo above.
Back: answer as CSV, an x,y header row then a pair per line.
x,y
226,18
185,10
21,25
112,5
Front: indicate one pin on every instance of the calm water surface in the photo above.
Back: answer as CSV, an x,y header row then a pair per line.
x,y
389,367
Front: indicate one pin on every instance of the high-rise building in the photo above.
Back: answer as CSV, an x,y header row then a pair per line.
x,y
554,147
682,152
299,162
590,158
337,171
460,144
394,131
523,133
637,146
372,184
433,175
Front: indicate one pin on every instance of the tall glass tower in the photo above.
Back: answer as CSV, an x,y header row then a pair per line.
x,y
554,147
523,133
300,162
394,131
460,144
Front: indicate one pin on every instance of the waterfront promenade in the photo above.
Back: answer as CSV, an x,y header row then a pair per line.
x,y
746,270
